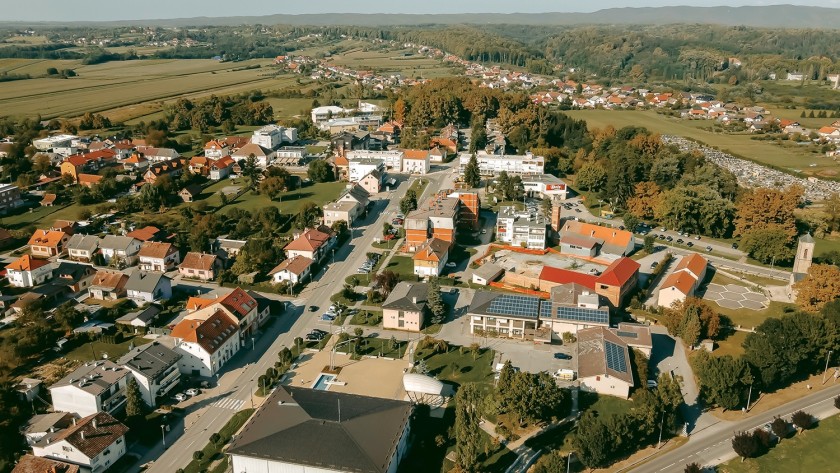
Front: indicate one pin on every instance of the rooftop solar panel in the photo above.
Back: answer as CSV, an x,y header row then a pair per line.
x,y
522,306
615,357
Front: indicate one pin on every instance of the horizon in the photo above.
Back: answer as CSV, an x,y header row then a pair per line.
x,y
58,11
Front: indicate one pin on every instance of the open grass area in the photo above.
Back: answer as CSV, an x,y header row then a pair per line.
x,y
767,152
382,347
752,318
811,452
605,406
405,62
213,451
97,349
459,368
40,216
402,265
370,318
731,344
824,246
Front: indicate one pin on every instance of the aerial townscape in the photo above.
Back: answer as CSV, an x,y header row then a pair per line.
x,y
419,240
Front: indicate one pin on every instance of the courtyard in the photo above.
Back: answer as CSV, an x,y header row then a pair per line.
x,y
733,296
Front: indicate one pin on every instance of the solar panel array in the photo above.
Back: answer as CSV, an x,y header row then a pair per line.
x,y
615,357
627,334
576,314
522,306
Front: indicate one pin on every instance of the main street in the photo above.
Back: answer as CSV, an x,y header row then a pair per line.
x,y
234,390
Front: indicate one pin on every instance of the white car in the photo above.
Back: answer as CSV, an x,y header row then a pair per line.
x,y
451,264
192,392
180,397
651,384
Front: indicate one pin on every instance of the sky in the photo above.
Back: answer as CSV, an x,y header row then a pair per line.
x,y
106,10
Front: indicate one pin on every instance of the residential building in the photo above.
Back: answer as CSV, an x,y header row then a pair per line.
x,y
405,308
291,428
82,247
392,160
371,182
346,211
293,270
135,162
346,141
215,149
487,273
147,233
200,266
263,155
355,193
158,155
430,258
326,112
416,161
143,287
108,285
438,155
312,243
46,243
94,443
157,256
221,168
27,271
96,386
205,345
636,336
683,281
190,193
9,197
55,141
123,249
75,276
573,307
437,218
361,167
228,248
494,164
603,362
173,169
155,368
140,318
505,315
89,180
40,425
604,240
272,136
544,186
521,228
32,464
469,210
240,306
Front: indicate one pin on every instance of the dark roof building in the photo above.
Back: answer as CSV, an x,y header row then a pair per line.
x,y
300,427
407,296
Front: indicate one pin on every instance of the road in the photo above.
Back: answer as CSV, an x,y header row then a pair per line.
x,y
215,407
713,445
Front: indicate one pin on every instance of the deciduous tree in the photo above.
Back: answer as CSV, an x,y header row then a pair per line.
x,y
468,441
819,287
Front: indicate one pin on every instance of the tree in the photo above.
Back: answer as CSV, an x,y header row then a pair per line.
x,y
408,202
308,216
339,227
819,287
272,187
251,170
320,171
764,208
768,244
745,445
468,441
198,455
553,462
592,176
546,207
837,402
802,420
472,173
434,302
42,164
646,196
593,441
779,427
385,282
831,208
649,244
693,468
723,380
133,400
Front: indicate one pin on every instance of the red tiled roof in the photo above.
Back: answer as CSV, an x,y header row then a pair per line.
x,y
27,263
93,434
694,263
153,249
194,260
310,240
619,272
77,160
144,234
565,276
415,154
32,464
101,154
89,178
682,281
239,302
210,334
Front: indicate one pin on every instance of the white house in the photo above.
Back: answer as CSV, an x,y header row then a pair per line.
x,y
521,228
125,249
430,257
294,270
157,256
96,386
322,114
416,161
155,368
205,345
683,281
272,136
391,159
27,271
82,247
144,287
94,442
494,164
361,167
603,362
263,155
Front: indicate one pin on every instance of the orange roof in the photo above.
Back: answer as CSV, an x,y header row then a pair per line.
x,y
210,334
27,263
566,276
109,279
223,162
682,281
49,238
153,249
433,249
89,178
200,261
296,265
198,303
619,272
200,161
694,263
214,144
341,161
135,159
77,160
310,240
415,154
239,302
144,234
48,199
611,236
101,154
828,130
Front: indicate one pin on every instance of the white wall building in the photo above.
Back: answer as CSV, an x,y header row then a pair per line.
x,y
155,368
272,136
322,114
56,141
361,167
494,164
97,386
205,345
94,443
521,228
27,271
391,159
544,186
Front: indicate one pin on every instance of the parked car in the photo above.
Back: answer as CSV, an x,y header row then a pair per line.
x,y
690,244
193,392
562,356
180,397
651,384
451,264
313,308
483,231
697,237
654,264
680,241
734,246
709,249
328,317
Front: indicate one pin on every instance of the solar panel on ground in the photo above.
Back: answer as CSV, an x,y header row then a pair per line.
x,y
628,334
615,357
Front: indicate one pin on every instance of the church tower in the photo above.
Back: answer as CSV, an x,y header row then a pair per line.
x,y
804,257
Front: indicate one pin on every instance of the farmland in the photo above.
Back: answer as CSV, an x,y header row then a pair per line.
x,y
393,62
766,152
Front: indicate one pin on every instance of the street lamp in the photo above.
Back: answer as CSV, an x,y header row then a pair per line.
x,y
661,422
828,357
749,398
333,252
163,435
569,462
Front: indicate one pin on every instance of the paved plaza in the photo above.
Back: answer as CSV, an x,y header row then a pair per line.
x,y
733,296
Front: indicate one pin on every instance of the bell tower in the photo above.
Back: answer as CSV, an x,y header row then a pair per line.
x,y
804,256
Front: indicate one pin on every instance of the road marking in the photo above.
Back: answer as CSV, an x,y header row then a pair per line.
x,y
229,403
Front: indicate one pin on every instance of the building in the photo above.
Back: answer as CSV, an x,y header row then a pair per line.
x,y
573,307
494,164
148,233
416,161
430,258
205,345
96,386
263,155
521,228
392,160
326,112
82,247
586,237
636,336
9,197
108,285
94,443
221,168
240,307
346,211
75,276
155,368
143,287
437,218
487,273
140,318
804,258
405,308
159,155
89,180
40,425
46,243
157,256
27,271
293,270
308,430
32,464
544,186
55,141
371,182
200,266
355,193
190,193
346,141
272,136
361,167
603,362
228,248
173,169
215,149
504,315
683,281
468,218
312,243
123,249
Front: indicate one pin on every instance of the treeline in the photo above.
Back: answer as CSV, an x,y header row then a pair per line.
x,y
41,51
220,111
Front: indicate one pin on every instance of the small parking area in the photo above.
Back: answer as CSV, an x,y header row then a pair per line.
x,y
733,296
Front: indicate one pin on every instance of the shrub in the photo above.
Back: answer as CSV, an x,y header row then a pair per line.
x,y
198,455
802,420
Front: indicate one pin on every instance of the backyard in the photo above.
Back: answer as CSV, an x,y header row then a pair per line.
x,y
98,349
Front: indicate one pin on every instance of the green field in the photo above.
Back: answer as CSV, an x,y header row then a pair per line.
x,y
809,452
405,62
789,158
289,202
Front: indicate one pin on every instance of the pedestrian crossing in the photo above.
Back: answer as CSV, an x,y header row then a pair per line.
x,y
229,403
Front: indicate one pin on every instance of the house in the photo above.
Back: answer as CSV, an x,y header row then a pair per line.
x,y
157,256
416,161
75,276
27,271
158,155
155,368
228,248
135,162
437,218
438,155
240,307
683,281
199,266
487,273
405,308
190,193
342,168
28,389
494,164
346,211
94,443
32,464
121,250
48,200
108,285
73,166
313,244
371,182
82,247
521,228
205,345
89,180
430,257
293,270
263,155
46,243
215,149
829,132
145,234
140,318
272,136
603,362
587,236
347,141
636,336
573,307
505,315
361,167
173,169
355,193
291,429
221,168
200,165
96,386
142,287
40,425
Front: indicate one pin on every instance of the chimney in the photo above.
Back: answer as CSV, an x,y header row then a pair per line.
x,y
414,299
82,433
74,421
94,423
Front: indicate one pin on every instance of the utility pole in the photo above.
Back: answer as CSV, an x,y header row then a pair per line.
x,y
749,398
163,435
661,422
828,357
569,462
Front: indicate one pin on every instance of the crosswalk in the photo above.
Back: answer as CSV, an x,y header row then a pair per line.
x,y
229,403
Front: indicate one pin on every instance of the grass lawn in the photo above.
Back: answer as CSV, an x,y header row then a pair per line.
x,y
811,452
605,406
371,318
752,318
212,451
375,346
290,202
459,368
85,352
402,265
731,345
823,246
41,216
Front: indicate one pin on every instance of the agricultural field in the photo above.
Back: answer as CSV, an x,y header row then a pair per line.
x,y
405,62
767,152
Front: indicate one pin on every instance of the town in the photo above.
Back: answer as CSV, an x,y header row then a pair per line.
x,y
453,273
